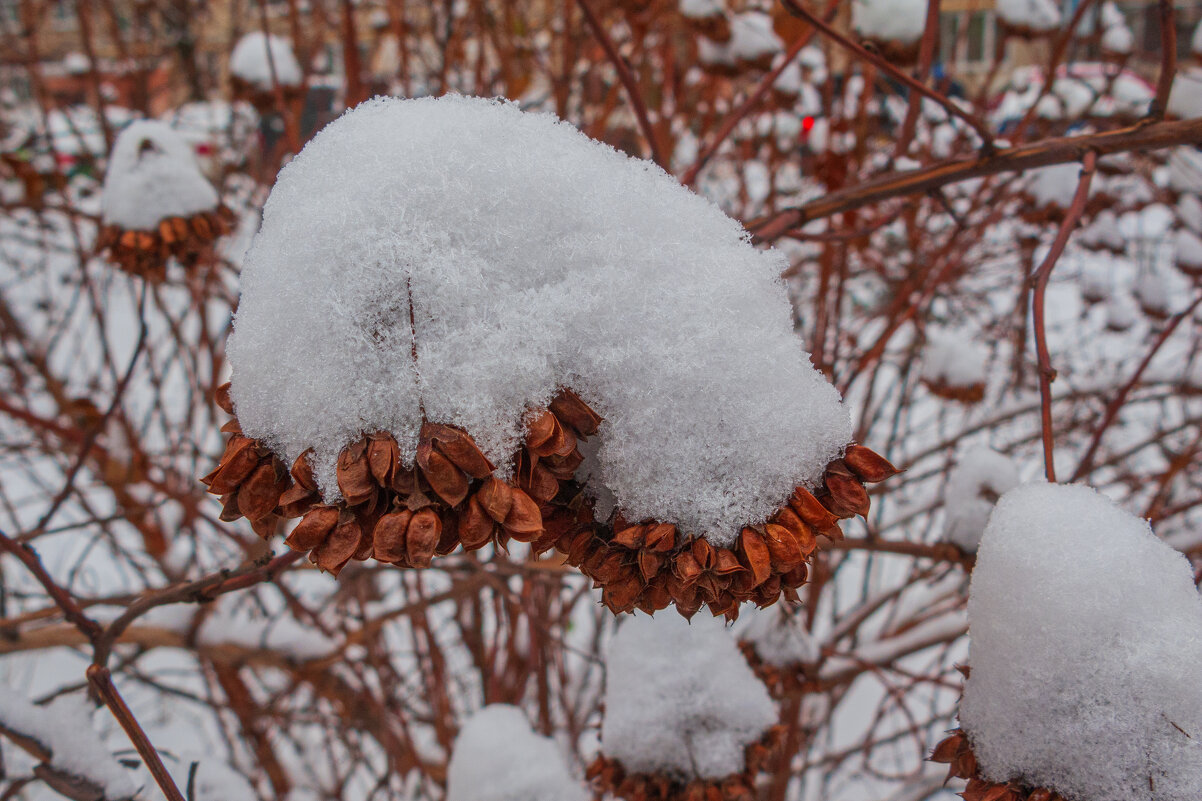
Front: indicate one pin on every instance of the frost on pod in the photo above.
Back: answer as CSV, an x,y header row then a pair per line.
x,y
458,316
1028,18
973,487
894,26
1086,653
498,757
156,203
953,367
685,716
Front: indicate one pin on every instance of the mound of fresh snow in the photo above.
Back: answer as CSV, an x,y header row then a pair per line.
x,y
890,20
498,757
751,39
256,56
702,9
955,360
1185,98
1189,249
152,174
680,699
1055,185
1037,15
973,487
535,258
64,728
1086,652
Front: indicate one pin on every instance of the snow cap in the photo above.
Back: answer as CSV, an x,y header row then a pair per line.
x,y
1086,651
535,258
152,174
498,757
680,699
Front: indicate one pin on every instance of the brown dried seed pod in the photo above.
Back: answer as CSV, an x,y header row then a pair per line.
x,y
338,547
868,465
460,448
389,537
496,498
383,458
847,492
476,527
354,475
570,409
223,399
422,536
445,478
260,493
811,511
524,521
313,528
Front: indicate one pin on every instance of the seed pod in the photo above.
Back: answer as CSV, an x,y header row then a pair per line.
x,y
541,485
460,448
810,510
631,537
802,534
524,522
383,458
388,537
686,567
223,399
354,475
540,430
302,472
756,555
260,493
475,526
649,564
570,409
848,493
445,478
424,532
660,538
867,464
338,548
496,498
727,563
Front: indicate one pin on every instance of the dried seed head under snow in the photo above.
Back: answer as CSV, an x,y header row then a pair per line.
x,y
498,757
900,21
1086,652
535,258
152,174
680,700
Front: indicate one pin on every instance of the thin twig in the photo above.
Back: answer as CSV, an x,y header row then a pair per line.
x,y
1038,319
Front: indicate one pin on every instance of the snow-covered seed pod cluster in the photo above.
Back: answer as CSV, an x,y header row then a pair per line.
x,y
1028,19
955,368
893,27
685,716
500,355
156,204
1085,657
781,652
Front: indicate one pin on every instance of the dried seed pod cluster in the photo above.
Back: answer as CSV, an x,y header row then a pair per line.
x,y
955,751
649,565
781,681
145,253
608,777
406,515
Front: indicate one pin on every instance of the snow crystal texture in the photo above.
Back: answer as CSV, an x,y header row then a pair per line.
x,y
1086,651
152,174
680,699
498,757
535,258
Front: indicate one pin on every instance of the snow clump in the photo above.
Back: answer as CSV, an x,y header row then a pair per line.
x,y
152,175
535,259
255,56
680,699
973,487
901,21
1086,652
1034,15
498,757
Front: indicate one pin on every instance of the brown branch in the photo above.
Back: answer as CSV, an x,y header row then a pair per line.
x,y
1038,294
627,78
102,682
1168,61
63,599
1059,150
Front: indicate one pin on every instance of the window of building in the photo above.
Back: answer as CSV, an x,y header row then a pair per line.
x,y
966,38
